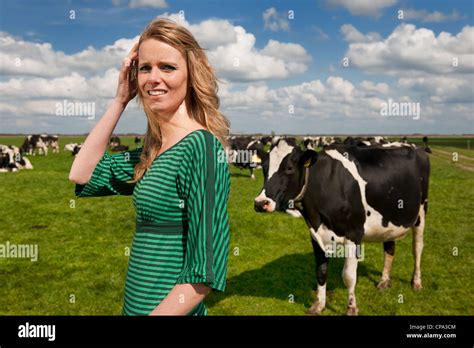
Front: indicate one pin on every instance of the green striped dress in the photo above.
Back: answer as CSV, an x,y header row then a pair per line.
x,y
182,230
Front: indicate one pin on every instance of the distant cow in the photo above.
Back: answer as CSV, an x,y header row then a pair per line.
x,y
114,141
11,159
137,141
76,149
34,143
70,146
51,141
246,153
349,194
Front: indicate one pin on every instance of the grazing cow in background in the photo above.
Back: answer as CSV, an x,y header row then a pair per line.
x,y
11,159
265,140
114,141
76,149
246,153
51,141
378,139
347,195
73,147
33,143
70,147
310,143
137,141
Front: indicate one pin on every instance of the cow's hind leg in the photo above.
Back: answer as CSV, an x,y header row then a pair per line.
x,y
349,275
389,253
418,231
321,276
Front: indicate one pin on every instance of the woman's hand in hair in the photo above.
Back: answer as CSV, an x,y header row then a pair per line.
x,y
127,84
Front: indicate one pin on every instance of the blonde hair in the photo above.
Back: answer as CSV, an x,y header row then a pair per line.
x,y
202,101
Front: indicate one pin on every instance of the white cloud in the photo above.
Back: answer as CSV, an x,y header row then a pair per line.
x,y
36,76
147,3
274,20
351,34
371,8
20,58
426,16
212,33
441,89
408,50
378,88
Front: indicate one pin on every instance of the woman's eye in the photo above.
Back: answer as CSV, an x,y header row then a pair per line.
x,y
168,67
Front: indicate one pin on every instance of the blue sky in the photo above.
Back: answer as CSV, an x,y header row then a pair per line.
x,y
341,99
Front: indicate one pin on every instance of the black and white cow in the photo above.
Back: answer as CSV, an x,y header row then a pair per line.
x,y
70,147
114,141
350,194
51,141
11,159
73,147
246,152
76,149
32,143
137,141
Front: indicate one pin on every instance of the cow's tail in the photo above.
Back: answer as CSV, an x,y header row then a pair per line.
x,y
425,144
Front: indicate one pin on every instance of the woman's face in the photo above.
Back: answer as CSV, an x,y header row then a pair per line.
x,y
162,76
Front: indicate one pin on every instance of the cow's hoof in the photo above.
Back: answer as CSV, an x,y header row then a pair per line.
x,y
316,309
416,285
352,311
384,284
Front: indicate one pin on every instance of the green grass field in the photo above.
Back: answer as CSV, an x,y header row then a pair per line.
x,y
83,243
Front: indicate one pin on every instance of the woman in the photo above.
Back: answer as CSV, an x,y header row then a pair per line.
x,y
180,188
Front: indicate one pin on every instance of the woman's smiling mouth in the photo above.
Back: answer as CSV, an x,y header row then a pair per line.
x,y
156,92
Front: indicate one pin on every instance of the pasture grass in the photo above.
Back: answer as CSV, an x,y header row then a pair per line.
x,y
82,250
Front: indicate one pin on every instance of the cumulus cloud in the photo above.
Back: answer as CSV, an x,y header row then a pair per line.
x,y
90,75
411,50
372,8
336,105
426,16
274,20
147,3
19,57
231,50
351,34
441,89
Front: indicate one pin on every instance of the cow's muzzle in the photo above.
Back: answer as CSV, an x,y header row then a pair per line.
x,y
264,206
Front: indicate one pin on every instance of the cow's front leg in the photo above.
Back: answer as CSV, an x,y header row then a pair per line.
x,y
349,275
321,277
389,252
417,251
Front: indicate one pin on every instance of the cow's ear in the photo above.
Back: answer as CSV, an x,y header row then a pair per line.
x,y
308,158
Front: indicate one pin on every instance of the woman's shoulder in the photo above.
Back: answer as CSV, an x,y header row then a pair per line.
x,y
201,142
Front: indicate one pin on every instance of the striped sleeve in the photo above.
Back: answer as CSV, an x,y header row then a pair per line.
x,y
111,174
206,190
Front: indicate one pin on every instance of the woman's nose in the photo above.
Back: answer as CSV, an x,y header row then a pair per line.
x,y
155,75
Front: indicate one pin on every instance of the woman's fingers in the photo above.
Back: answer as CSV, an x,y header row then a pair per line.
x,y
127,62
126,88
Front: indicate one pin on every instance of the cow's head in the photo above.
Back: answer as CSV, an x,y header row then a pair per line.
x,y
284,176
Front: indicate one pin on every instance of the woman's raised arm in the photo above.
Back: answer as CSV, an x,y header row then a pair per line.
x,y
96,142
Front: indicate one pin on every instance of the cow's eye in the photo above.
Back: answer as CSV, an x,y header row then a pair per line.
x,y
289,170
